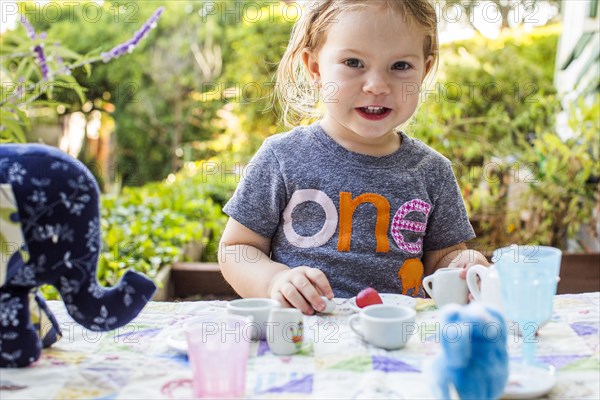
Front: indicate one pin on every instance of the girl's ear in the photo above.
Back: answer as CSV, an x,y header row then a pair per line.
x,y
311,63
428,66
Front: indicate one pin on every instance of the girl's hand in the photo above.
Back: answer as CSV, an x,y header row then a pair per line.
x,y
466,259
302,288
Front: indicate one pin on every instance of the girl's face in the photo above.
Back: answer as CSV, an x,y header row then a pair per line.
x,y
370,68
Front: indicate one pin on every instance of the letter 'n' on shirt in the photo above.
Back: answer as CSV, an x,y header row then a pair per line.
x,y
347,208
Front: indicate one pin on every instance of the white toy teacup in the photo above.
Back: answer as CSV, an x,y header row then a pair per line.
x,y
445,286
285,332
258,308
385,326
487,290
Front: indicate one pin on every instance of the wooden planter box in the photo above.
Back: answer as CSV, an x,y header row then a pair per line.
x,y
165,284
195,278
579,273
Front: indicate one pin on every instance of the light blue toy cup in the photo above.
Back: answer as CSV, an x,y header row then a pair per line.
x,y
528,276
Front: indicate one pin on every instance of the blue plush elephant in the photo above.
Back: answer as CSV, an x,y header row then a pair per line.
x,y
474,356
50,234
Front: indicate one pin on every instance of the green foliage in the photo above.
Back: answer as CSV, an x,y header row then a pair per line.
x,y
257,46
24,89
15,123
144,87
560,195
178,105
49,72
147,227
493,114
140,236
490,95
162,113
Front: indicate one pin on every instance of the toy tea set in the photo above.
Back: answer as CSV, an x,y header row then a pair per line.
x,y
517,289
50,234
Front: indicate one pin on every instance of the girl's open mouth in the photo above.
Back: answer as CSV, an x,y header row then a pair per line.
x,y
373,113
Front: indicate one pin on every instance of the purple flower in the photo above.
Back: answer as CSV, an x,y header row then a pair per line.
x,y
129,46
41,58
28,27
39,51
64,69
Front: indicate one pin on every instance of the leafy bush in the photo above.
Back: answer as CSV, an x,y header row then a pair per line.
x,y
560,197
139,234
150,226
493,114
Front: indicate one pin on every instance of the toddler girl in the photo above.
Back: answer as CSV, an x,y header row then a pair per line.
x,y
349,201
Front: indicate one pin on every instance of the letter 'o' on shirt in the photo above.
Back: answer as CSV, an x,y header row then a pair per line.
x,y
329,227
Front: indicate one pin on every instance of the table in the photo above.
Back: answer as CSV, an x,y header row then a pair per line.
x,y
135,362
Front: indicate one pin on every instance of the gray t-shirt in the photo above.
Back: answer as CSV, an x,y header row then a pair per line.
x,y
362,220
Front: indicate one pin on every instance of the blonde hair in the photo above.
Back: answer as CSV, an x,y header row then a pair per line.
x,y
294,91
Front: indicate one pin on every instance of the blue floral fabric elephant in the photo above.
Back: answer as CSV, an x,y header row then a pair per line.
x,y
50,234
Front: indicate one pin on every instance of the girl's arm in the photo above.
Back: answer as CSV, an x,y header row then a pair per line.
x,y
245,264
457,256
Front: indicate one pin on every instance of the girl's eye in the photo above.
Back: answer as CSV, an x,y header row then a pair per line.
x,y
353,63
402,66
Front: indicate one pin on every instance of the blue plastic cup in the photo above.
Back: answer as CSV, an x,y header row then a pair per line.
x,y
528,279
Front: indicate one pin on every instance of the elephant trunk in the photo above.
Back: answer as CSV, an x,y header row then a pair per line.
x,y
103,309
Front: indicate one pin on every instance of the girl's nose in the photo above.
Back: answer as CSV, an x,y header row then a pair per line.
x,y
376,84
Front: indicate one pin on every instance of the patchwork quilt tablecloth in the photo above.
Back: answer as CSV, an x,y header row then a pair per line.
x,y
139,362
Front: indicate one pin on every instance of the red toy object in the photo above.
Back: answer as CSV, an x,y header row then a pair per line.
x,y
367,297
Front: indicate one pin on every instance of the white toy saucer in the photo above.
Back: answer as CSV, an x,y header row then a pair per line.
x,y
177,341
528,381
391,299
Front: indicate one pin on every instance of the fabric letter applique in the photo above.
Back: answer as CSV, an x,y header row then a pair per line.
x,y
399,223
329,227
411,276
347,207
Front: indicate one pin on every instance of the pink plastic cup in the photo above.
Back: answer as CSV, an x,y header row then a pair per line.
x,y
218,347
